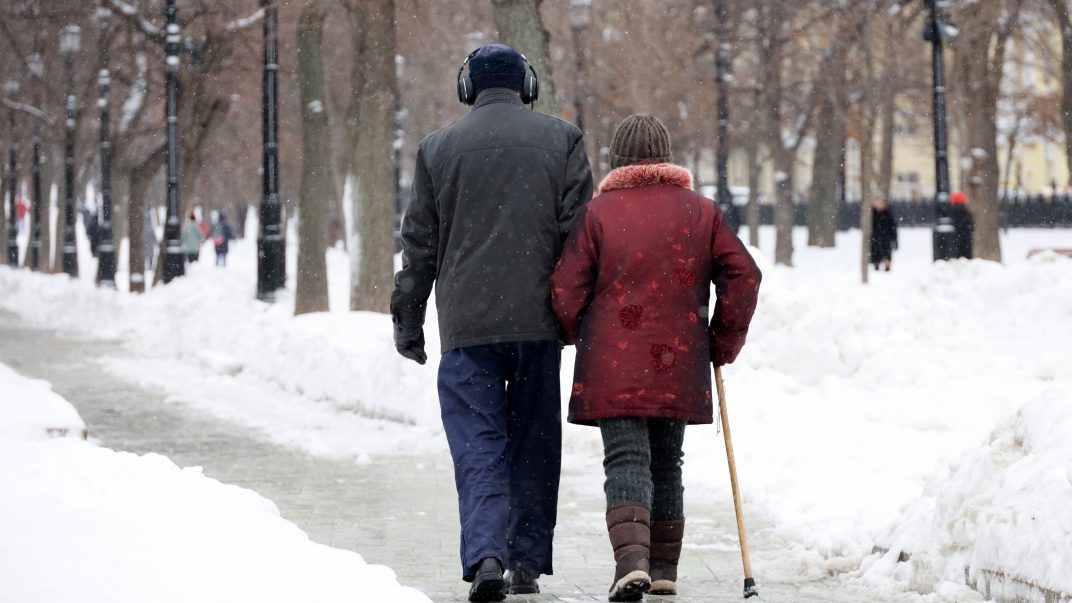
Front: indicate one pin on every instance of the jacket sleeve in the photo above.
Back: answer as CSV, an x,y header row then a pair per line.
x,y
575,276
736,279
578,186
420,246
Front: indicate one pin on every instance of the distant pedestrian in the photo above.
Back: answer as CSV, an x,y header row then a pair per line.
x,y
883,233
222,235
93,233
192,239
149,241
963,225
632,291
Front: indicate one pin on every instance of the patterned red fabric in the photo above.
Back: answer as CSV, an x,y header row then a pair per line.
x,y
632,291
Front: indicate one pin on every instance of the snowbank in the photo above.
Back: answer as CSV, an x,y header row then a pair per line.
x,y
81,522
30,410
1000,515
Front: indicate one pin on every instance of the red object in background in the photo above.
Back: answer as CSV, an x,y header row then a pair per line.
x,y
634,279
20,209
958,197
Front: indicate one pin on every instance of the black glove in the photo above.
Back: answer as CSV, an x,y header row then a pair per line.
x,y
409,341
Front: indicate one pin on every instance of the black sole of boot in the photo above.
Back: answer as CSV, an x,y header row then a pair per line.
x,y
488,591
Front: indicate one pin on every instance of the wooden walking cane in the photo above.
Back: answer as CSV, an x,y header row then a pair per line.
x,y
749,583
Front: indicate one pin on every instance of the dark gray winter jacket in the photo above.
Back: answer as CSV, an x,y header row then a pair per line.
x,y
494,195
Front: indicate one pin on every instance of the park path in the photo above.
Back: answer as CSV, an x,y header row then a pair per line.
x,y
398,511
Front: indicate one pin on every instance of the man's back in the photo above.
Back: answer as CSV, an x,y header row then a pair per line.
x,y
494,196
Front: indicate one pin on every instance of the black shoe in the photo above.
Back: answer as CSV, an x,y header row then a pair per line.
x,y
487,582
519,582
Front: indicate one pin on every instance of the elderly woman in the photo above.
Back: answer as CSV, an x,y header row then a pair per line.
x,y
632,292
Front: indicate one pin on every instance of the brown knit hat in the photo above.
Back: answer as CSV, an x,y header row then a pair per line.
x,y
637,138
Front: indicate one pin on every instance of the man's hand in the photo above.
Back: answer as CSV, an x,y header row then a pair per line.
x,y
409,341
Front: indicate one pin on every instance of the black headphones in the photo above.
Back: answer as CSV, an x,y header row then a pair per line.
x,y
530,89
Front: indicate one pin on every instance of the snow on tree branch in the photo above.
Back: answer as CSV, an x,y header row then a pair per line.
x,y
245,22
132,14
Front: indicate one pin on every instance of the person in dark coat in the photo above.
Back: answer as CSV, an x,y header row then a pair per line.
x,y
632,292
222,235
963,224
883,233
494,195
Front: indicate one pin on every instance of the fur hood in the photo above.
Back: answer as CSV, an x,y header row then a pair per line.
x,y
643,174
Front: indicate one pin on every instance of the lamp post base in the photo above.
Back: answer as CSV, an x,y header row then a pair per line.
x,y
174,264
271,271
106,266
945,234
70,261
35,255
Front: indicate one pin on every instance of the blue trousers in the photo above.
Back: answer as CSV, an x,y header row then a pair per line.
x,y
502,414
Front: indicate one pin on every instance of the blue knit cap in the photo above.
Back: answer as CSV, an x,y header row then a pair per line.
x,y
497,66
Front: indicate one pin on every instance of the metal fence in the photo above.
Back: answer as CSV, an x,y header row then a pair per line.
x,y
1029,211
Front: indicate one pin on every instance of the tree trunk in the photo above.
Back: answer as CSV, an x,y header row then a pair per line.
x,y
372,169
885,161
980,57
782,153
136,206
823,201
1064,25
139,178
754,168
5,203
521,27
784,211
317,184
46,210
57,234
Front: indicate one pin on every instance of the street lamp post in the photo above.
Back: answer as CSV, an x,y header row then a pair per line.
x,y
70,40
271,270
944,232
173,261
936,28
106,246
723,76
36,66
11,87
580,16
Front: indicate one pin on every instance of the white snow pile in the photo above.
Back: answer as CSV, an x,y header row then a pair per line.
x,y
30,410
80,522
1000,516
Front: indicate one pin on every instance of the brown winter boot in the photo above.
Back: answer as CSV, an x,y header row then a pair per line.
x,y
665,551
629,526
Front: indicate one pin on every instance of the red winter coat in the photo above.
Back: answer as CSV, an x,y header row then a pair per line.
x,y
632,291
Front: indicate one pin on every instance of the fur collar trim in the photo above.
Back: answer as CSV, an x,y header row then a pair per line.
x,y
643,174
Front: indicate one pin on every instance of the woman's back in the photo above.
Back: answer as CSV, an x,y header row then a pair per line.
x,y
639,267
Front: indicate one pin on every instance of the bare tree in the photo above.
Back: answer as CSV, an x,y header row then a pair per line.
x,y
1063,16
827,165
372,171
979,53
317,182
521,27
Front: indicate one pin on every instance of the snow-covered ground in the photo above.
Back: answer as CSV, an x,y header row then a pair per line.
x,y
850,404
86,523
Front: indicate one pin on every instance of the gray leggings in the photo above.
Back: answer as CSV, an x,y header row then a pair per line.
x,y
642,459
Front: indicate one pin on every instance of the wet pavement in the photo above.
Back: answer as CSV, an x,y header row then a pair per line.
x,y
398,511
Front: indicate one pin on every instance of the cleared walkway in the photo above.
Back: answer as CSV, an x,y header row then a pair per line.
x,y
398,511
